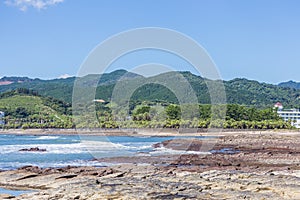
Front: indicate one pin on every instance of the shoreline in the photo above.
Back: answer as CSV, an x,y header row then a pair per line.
x,y
145,132
266,166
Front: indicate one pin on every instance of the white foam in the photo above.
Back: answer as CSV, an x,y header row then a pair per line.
x,y
84,146
47,137
14,165
101,145
50,148
113,146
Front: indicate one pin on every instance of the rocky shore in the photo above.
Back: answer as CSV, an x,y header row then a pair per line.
x,y
240,166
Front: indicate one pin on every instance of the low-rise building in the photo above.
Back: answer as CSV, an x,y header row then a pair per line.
x,y
2,115
289,114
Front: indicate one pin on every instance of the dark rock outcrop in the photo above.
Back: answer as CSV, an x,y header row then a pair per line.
x,y
34,149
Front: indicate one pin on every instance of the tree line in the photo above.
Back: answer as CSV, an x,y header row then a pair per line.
x,y
157,115
53,113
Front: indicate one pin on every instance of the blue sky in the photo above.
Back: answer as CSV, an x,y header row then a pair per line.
x,y
257,39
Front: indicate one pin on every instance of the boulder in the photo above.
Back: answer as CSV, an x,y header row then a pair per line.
x,y
34,149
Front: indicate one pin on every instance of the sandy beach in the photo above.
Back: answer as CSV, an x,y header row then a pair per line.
x,y
146,132
242,165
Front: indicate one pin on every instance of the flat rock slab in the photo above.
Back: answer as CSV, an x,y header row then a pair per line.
x,y
267,167
153,183
7,196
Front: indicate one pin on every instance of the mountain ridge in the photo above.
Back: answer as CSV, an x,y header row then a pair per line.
x,y
290,84
239,90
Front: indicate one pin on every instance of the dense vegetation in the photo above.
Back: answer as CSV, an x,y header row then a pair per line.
x,y
290,84
163,115
41,104
26,109
238,91
62,89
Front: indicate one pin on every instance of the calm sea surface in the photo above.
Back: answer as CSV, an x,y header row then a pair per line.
x,y
75,150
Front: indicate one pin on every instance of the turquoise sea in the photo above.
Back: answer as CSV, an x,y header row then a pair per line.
x,y
74,150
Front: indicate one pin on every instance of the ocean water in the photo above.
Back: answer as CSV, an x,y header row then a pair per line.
x,y
14,192
74,150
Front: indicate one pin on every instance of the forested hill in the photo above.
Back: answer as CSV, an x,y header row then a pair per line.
x,y
290,84
26,109
249,92
238,91
61,88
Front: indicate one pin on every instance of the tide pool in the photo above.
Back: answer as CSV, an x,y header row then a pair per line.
x,y
14,192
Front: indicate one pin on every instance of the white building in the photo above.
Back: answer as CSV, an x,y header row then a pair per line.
x,y
2,115
289,114
278,105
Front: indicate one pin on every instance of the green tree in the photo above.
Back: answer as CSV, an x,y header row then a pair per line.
x,y
173,112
